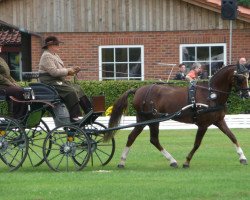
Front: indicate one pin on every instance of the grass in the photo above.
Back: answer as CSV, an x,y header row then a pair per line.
x,y
215,172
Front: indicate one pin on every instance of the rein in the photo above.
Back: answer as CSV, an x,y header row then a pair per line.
x,y
211,89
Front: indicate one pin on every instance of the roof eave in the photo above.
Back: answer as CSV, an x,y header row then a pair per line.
x,y
215,5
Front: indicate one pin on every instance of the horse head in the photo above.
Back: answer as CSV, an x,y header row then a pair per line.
x,y
228,77
241,85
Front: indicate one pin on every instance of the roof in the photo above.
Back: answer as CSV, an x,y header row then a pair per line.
x,y
10,37
215,5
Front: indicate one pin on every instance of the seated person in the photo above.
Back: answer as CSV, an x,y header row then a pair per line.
x,y
242,66
194,73
181,74
11,88
53,72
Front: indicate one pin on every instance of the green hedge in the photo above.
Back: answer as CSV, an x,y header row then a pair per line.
x,y
113,89
245,3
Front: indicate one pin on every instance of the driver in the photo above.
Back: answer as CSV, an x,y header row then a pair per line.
x,y
53,72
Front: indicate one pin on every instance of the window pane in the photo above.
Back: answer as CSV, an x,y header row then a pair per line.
x,y
121,70
217,53
188,53
205,70
215,66
134,54
135,70
134,78
14,59
188,65
121,55
203,53
121,63
108,55
108,70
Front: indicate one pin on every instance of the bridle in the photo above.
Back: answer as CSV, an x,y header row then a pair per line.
x,y
212,90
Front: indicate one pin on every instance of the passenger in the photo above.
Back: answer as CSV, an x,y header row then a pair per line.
x,y
181,74
194,73
11,88
53,72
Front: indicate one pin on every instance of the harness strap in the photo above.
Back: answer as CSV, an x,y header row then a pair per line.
x,y
191,98
151,102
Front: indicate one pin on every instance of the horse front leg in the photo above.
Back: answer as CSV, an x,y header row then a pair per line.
x,y
224,128
199,136
131,138
154,139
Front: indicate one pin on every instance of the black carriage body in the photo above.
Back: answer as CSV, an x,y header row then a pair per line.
x,y
42,99
47,93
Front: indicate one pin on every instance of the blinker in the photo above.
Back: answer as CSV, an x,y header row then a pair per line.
x,y
212,96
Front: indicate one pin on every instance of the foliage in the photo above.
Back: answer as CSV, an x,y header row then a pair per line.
x,y
114,89
245,3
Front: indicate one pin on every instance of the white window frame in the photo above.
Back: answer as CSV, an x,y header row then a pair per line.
x,y
224,45
121,46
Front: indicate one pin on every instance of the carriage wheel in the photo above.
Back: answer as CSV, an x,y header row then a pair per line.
x,y
36,138
68,147
13,143
102,152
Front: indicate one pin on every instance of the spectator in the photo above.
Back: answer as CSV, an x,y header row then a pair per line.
x,y
242,66
194,73
181,74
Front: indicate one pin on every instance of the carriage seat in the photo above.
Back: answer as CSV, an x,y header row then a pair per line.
x,y
44,92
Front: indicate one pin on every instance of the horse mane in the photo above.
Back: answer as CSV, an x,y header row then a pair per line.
x,y
221,70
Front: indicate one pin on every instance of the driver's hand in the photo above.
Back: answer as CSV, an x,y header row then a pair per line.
x,y
71,71
77,69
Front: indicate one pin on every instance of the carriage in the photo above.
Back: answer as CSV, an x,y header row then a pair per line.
x,y
68,146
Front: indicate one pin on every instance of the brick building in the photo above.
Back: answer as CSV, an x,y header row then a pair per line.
x,y
128,39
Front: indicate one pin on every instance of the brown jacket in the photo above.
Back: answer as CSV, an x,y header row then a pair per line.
x,y
52,64
53,72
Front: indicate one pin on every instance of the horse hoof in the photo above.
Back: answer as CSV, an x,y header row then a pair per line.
x,y
185,166
174,165
243,161
120,166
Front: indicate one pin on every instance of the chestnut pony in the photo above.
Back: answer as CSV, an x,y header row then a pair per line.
x,y
203,104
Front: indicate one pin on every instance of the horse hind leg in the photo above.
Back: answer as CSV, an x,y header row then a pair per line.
x,y
154,139
224,128
199,136
131,138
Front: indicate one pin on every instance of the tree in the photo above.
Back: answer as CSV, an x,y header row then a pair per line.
x,y
245,3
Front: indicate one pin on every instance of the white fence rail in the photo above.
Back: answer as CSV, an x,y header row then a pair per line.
x,y
233,121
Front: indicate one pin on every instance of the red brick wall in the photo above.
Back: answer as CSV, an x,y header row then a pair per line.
x,y
82,48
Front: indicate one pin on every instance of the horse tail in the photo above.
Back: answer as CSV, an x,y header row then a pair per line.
x,y
119,108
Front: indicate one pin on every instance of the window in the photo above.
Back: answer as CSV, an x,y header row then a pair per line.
x,y
121,62
15,66
211,56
